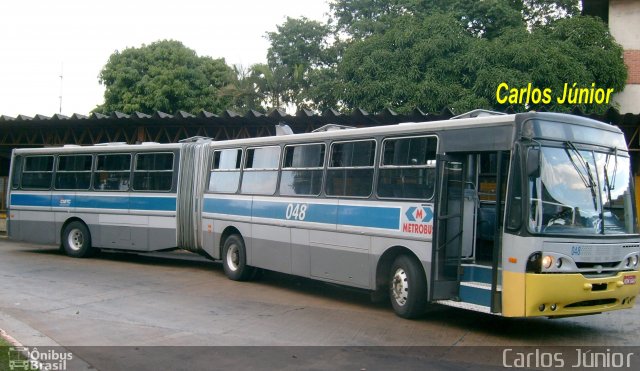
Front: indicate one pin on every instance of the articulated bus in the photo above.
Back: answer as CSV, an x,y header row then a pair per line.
x,y
519,215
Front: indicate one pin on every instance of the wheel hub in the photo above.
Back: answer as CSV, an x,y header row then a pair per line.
x,y
400,286
76,239
233,257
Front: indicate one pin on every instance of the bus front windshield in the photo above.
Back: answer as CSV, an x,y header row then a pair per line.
x,y
581,192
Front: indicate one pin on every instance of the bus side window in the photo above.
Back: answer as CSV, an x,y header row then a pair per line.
x,y
73,172
407,168
225,170
350,171
302,170
112,172
261,171
153,172
38,172
17,172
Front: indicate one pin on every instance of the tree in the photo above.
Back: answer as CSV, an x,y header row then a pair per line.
x,y
164,76
297,47
403,54
416,62
243,91
362,18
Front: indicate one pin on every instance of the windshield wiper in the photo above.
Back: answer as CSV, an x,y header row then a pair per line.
x,y
588,181
611,183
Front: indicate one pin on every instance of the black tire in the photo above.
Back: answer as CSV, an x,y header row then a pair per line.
x,y
234,259
407,287
76,240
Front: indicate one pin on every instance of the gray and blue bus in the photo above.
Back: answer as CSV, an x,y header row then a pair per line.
x,y
519,215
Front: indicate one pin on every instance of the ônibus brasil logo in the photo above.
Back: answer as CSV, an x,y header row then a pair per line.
x,y
418,220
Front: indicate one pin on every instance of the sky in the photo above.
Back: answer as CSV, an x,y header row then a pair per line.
x,y
40,40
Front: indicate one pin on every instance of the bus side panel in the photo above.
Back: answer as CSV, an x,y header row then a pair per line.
x,y
271,247
32,219
35,226
341,257
161,232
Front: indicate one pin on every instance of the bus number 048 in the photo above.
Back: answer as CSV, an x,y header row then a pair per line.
x,y
296,211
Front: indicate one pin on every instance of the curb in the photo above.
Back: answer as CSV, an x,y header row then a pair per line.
x,y
42,341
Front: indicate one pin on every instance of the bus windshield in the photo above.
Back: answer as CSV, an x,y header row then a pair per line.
x,y
581,192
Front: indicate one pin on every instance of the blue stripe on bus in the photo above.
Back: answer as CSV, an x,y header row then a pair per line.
x,y
351,215
96,202
31,200
228,207
369,216
153,203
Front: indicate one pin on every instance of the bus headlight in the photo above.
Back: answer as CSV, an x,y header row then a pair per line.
x,y
634,260
559,263
533,263
547,261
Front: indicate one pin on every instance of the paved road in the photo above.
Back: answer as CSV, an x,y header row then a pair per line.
x,y
179,299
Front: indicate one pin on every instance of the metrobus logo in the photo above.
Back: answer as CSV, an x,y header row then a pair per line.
x,y
418,219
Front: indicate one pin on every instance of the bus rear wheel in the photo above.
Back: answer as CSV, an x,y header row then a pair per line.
x,y
234,259
407,288
76,240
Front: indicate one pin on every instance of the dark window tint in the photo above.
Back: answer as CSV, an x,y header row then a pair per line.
x,y
302,170
225,173
351,169
120,162
74,172
38,172
304,156
154,161
352,154
112,172
408,168
38,163
153,172
406,183
74,163
409,151
17,171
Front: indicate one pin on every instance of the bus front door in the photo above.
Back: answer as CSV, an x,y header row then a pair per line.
x,y
447,242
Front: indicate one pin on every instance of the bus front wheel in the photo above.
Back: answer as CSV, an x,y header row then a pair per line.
x,y
76,240
234,259
407,287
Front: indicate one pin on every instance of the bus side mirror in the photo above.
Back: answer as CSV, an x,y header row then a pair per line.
x,y
533,162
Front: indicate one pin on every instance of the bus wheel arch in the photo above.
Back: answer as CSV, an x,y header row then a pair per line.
x,y
75,238
399,270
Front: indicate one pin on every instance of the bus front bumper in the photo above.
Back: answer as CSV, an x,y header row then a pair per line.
x,y
574,294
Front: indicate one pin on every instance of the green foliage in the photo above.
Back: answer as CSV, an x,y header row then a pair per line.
x,y
433,54
417,62
164,76
298,47
242,92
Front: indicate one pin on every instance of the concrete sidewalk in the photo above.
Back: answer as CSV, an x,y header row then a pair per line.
x,y
19,334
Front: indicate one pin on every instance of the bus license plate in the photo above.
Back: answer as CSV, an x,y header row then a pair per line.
x,y
629,280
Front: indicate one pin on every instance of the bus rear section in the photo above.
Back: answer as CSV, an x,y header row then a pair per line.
x,y
86,198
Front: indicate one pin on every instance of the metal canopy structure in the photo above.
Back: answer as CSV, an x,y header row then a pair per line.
x,y
56,130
